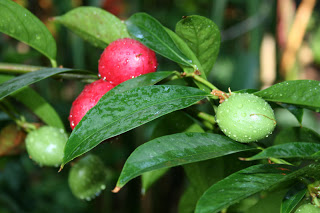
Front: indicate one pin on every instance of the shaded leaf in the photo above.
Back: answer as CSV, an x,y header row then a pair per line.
x,y
124,111
22,25
36,104
39,106
288,150
177,149
203,37
95,25
296,111
151,33
245,183
149,178
293,197
304,93
296,134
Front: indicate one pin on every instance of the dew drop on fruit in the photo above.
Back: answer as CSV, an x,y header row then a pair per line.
x,y
99,75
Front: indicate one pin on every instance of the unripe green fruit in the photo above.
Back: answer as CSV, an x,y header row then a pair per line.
x,y
245,117
46,145
87,177
308,208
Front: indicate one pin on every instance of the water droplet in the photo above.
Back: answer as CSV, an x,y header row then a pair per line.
x,y
38,37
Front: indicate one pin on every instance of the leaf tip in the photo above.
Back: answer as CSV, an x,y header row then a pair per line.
x,y
116,189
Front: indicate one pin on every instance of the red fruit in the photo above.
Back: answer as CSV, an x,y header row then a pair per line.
x,y
88,98
124,59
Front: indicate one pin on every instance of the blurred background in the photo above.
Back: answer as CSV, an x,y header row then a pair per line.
x,y
263,42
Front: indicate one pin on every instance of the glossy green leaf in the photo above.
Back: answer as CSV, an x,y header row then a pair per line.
x,y
22,25
95,25
296,134
188,52
174,150
293,197
172,123
288,150
124,111
21,81
243,184
151,33
203,37
140,81
304,93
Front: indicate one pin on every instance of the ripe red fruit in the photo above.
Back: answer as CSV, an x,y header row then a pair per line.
x,y
124,59
88,98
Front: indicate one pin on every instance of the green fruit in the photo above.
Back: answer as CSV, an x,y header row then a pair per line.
x,y
46,145
245,117
308,208
87,177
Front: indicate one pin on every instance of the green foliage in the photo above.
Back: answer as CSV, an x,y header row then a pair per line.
x,y
203,37
95,25
21,24
174,111
151,33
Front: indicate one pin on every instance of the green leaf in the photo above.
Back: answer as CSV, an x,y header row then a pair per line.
x,y
304,93
188,52
243,184
95,25
292,198
39,106
140,81
149,178
201,176
288,150
296,134
21,81
172,123
151,33
122,112
296,111
203,37
177,149
188,200
21,24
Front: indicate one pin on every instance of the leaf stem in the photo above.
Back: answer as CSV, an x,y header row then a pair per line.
x,y
53,63
196,77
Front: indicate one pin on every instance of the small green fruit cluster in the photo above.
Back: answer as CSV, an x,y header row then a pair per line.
x,y
245,117
46,145
308,208
87,177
